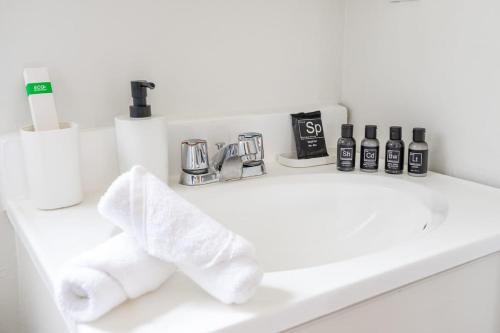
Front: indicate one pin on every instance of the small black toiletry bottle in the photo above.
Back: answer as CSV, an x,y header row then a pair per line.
x,y
346,149
418,154
394,152
369,150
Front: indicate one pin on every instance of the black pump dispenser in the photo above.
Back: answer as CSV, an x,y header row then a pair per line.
x,y
140,109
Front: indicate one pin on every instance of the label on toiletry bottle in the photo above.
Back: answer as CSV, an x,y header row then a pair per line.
x,y
369,158
394,159
417,161
346,157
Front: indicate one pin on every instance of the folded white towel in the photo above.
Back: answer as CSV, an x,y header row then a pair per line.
x,y
170,228
99,280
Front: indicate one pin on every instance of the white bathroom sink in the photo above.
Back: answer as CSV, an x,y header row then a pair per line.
x,y
327,240
300,221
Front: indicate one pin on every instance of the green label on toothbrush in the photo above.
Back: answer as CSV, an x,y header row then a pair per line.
x,y
38,88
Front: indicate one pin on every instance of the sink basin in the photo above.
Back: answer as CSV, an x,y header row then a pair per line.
x,y
301,221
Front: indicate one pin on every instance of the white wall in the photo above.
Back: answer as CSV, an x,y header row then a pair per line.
x,y
430,63
207,57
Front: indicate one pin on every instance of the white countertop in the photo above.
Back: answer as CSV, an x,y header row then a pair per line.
x,y
286,298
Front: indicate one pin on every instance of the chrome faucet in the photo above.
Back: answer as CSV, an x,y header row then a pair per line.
x,y
233,161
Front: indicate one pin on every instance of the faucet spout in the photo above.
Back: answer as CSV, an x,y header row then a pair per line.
x,y
225,153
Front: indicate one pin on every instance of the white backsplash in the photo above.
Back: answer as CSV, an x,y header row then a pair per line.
x,y
98,146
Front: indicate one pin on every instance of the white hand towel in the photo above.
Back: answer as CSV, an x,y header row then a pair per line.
x,y
170,228
101,279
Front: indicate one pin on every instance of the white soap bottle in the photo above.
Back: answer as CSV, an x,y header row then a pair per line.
x,y
142,138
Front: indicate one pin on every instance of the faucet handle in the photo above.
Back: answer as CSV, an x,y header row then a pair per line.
x,y
194,156
219,145
251,147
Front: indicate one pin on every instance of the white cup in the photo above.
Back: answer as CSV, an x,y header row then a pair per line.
x,y
52,161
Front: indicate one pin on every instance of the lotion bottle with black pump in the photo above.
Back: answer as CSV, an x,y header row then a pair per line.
x,y
141,137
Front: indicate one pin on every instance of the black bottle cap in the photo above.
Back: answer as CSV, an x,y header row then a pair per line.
x,y
371,131
347,130
395,133
140,109
419,134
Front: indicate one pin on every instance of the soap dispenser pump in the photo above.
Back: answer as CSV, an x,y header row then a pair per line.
x,y
140,136
140,109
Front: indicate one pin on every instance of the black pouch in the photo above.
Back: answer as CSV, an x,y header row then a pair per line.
x,y
309,135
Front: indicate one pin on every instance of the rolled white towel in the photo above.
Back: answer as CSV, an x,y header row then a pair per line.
x,y
97,281
170,228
